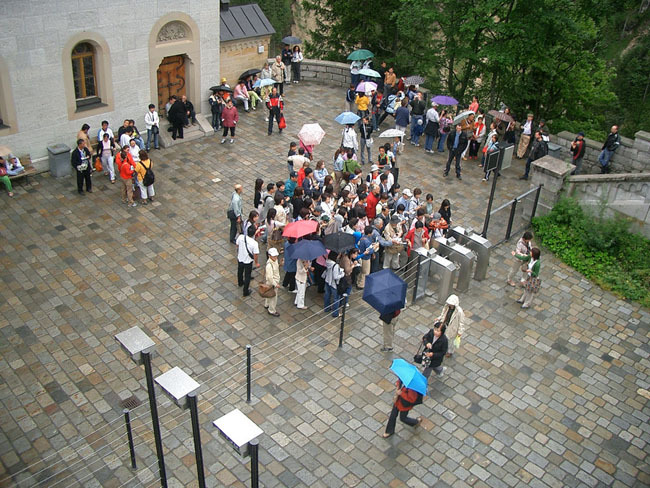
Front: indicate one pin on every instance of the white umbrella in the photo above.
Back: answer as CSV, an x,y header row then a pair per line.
x,y
311,134
462,116
392,133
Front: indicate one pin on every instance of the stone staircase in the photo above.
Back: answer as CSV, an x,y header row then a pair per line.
x,y
191,133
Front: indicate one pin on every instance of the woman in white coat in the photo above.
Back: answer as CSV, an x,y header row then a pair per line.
x,y
453,318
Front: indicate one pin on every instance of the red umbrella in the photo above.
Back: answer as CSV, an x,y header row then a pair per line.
x,y
300,228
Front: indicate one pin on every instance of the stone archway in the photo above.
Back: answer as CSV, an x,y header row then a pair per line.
x,y
174,59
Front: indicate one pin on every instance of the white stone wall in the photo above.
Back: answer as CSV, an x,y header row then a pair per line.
x,y
32,36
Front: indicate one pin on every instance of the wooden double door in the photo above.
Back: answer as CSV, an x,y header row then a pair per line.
x,y
171,80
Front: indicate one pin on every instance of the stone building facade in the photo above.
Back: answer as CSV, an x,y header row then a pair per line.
x,y
63,64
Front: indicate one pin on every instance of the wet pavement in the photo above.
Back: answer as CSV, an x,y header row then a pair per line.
x,y
553,396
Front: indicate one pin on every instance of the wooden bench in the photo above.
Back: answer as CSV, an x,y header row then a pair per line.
x,y
26,161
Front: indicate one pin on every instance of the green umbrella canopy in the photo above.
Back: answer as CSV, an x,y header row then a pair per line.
x,y
360,55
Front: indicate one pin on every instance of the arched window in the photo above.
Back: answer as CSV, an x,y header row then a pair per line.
x,y
83,74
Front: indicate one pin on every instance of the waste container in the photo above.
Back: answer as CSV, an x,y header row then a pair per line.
x,y
554,150
59,157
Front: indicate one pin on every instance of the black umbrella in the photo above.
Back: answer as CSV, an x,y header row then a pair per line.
x,y
339,242
249,72
292,40
221,88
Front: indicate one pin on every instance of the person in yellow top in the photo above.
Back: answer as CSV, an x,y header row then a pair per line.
x,y
272,271
141,167
362,101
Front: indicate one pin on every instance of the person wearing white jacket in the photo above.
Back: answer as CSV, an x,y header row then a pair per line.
x,y
453,318
349,139
152,123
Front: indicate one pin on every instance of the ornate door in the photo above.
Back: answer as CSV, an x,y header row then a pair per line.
x,y
171,80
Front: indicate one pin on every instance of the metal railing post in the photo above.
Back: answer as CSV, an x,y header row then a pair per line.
x,y
532,214
513,209
248,373
146,360
129,434
344,301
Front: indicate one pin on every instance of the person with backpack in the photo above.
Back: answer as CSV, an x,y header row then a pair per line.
x,y
405,400
145,176
539,150
435,344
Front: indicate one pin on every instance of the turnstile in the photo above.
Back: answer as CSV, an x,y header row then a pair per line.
x,y
442,274
465,258
477,243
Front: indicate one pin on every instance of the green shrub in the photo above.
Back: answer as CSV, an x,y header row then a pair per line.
x,y
604,250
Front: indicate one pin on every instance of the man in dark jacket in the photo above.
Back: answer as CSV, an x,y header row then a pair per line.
x,y
190,113
607,151
539,150
418,107
456,143
435,347
177,117
275,104
81,161
578,148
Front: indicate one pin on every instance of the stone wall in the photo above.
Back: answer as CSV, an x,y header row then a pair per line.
x,y
239,55
33,50
625,195
633,156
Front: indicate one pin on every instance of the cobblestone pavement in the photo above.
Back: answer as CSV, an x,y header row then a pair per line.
x,y
550,397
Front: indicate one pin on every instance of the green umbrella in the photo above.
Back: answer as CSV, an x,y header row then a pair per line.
x,y
360,55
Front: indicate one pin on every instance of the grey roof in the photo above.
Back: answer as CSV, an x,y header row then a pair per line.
x,y
242,21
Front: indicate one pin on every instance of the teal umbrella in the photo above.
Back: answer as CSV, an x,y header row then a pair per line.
x,y
360,55
409,375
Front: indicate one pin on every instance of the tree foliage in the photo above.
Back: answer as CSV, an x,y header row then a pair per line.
x,y
542,56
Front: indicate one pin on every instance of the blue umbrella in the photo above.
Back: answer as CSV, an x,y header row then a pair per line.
x,y
263,82
385,291
346,118
409,375
306,250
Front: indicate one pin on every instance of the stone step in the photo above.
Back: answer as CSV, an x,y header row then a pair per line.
x,y
191,133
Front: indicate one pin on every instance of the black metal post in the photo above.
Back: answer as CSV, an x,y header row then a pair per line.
x,y
513,209
344,303
248,373
539,190
196,431
417,276
129,434
146,359
486,223
255,476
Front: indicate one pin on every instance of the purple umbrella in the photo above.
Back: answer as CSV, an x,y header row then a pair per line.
x,y
444,100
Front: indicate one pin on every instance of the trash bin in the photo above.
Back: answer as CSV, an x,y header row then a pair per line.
x,y
59,157
554,150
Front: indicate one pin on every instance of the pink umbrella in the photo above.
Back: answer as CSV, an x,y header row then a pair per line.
x,y
311,134
366,86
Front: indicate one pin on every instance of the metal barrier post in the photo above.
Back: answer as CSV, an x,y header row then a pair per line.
x,y
196,432
255,476
344,302
248,373
146,359
513,209
491,199
539,190
129,434
417,276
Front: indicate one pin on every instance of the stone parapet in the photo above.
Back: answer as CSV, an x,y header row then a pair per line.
x,y
633,156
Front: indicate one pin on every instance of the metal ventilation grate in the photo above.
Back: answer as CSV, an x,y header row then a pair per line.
x,y
130,403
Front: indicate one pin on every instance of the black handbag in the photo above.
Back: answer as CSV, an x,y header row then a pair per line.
x,y
417,359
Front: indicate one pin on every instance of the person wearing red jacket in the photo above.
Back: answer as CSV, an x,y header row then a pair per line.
x,y
229,119
275,104
405,400
126,166
372,201
417,237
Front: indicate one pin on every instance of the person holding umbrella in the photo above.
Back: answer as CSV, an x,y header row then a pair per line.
x,y
287,57
411,387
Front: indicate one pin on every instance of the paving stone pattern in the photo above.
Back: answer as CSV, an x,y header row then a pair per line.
x,y
549,397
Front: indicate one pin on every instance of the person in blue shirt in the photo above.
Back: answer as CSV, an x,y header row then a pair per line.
x,y
366,250
290,184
